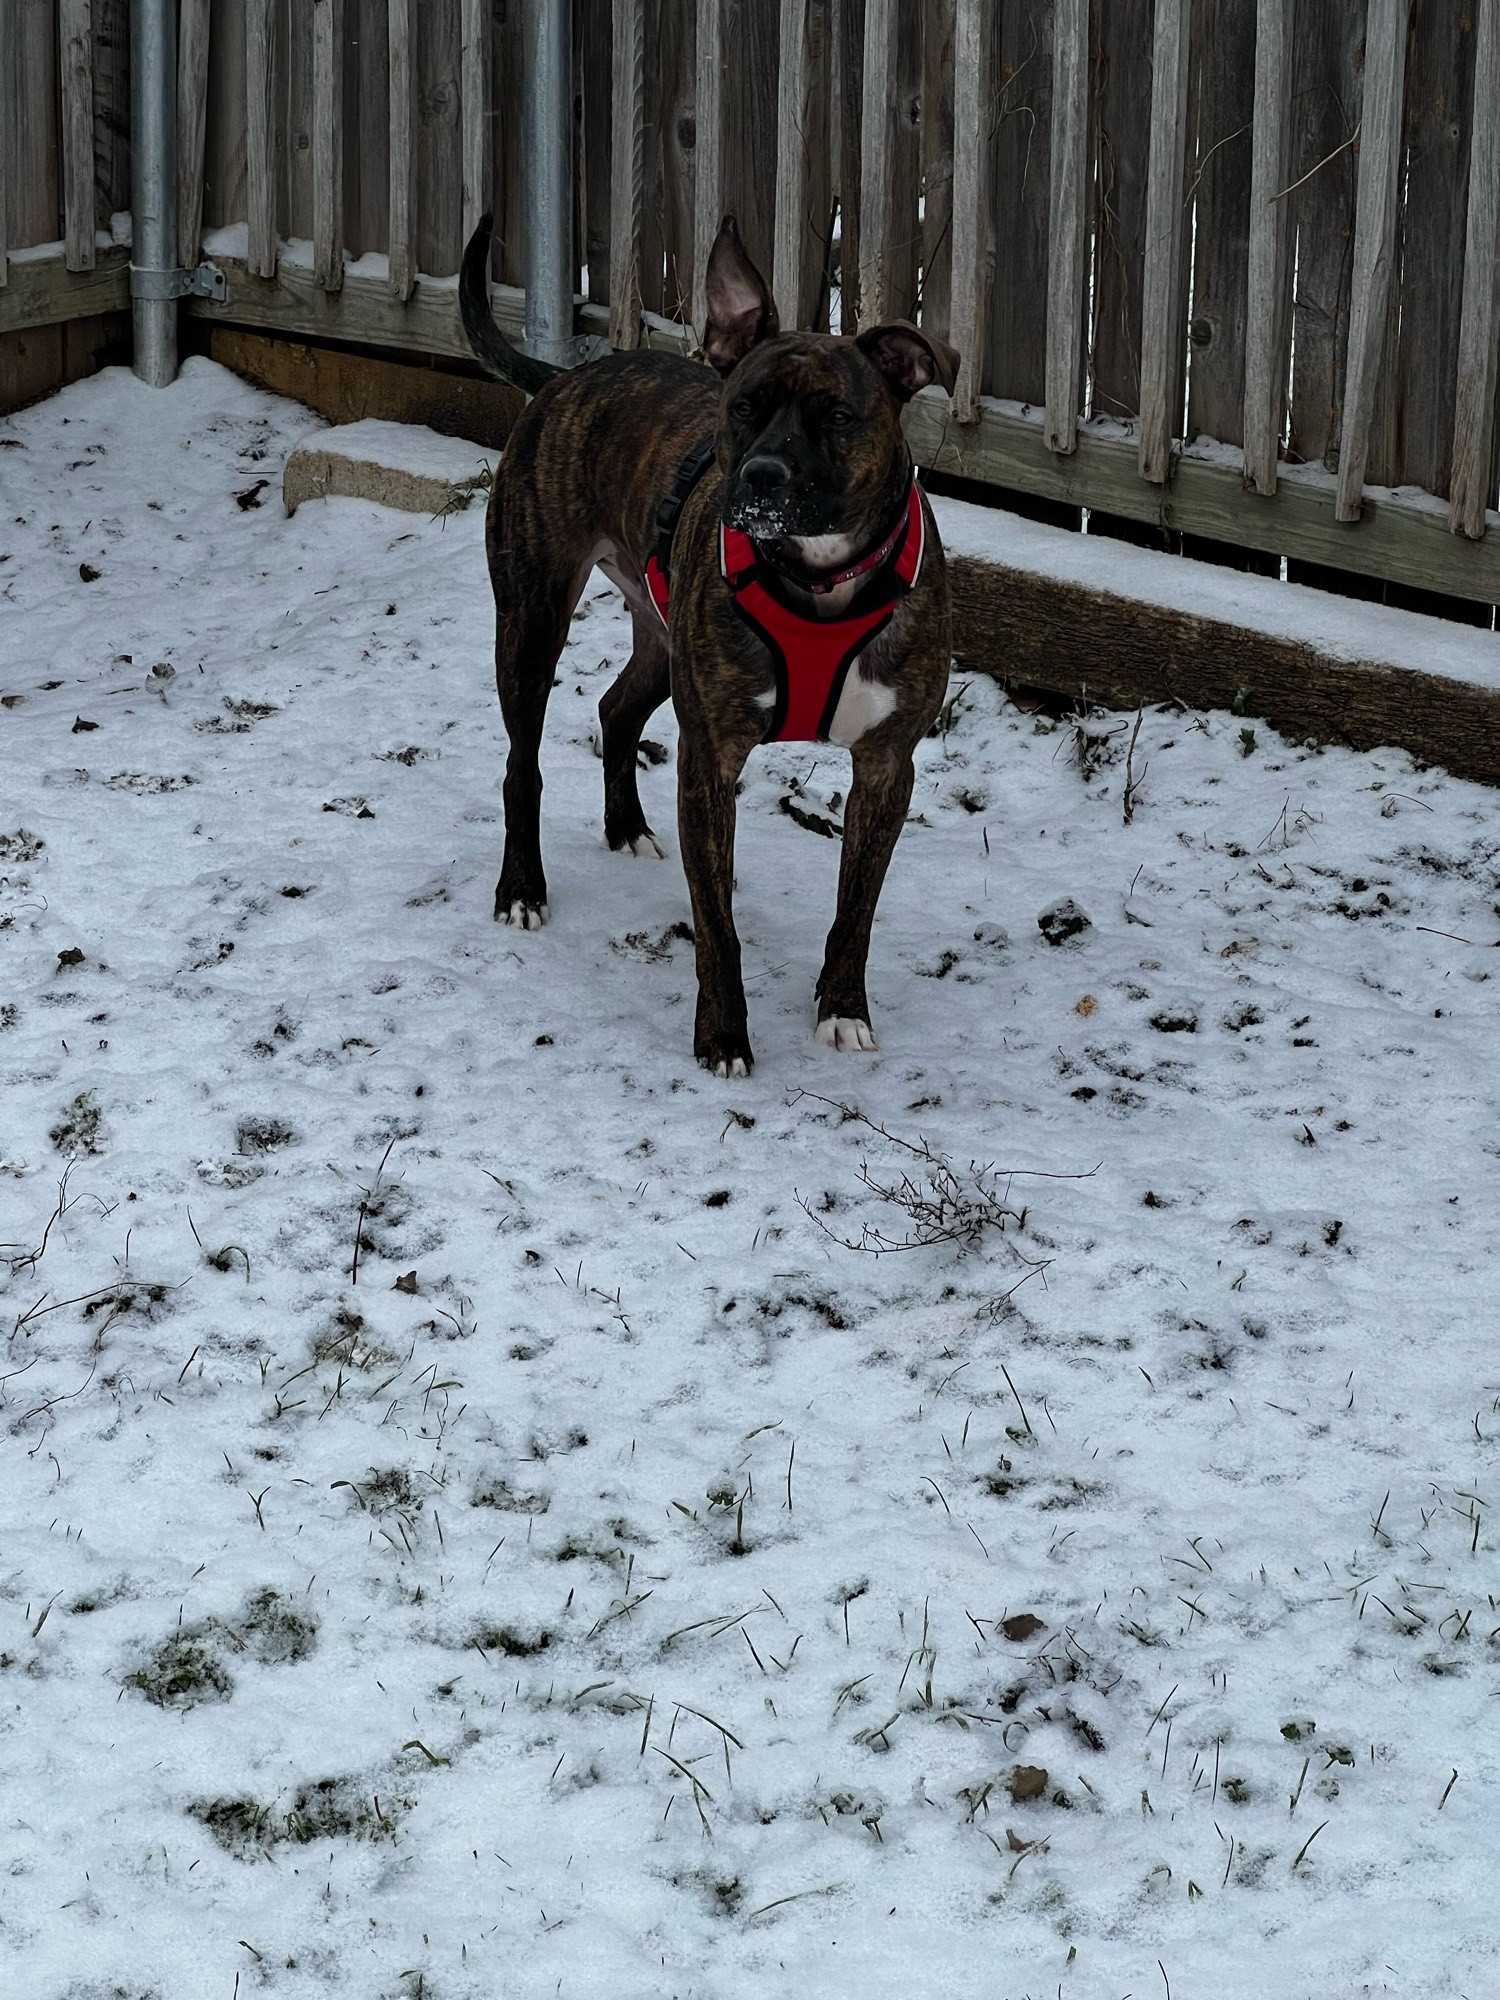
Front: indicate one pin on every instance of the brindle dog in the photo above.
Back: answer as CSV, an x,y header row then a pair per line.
x,y
811,462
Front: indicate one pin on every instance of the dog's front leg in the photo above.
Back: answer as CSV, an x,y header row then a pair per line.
x,y
705,823
873,819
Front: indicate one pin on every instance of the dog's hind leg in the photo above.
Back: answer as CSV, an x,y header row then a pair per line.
x,y
529,637
627,706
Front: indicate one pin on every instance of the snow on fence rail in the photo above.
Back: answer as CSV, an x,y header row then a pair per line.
x,y
1150,224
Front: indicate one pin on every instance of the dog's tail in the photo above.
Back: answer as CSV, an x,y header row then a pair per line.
x,y
499,355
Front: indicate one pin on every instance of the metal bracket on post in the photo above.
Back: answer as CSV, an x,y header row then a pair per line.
x,y
207,282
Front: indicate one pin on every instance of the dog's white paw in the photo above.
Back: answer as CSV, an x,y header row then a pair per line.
x,y
839,1032
729,1069
525,916
646,847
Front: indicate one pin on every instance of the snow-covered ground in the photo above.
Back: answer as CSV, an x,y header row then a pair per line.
x,y
603,1589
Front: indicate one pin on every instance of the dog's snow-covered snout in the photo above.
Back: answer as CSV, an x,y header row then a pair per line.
x,y
775,488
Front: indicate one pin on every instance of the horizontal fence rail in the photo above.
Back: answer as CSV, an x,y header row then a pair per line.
x,y
1252,244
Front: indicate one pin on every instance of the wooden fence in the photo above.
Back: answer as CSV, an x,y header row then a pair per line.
x,y
1220,266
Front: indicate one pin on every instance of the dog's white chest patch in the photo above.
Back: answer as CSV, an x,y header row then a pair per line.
x,y
863,706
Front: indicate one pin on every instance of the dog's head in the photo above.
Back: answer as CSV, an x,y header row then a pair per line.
x,y
810,439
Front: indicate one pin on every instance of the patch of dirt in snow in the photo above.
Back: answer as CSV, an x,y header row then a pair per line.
x,y
469,1523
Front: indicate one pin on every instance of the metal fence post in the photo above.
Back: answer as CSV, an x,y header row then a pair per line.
x,y
153,193
548,147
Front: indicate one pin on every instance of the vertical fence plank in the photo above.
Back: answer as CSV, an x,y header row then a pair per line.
x,y
192,126
1221,112
708,121
1267,273
1374,238
367,166
328,144
877,137
474,89
1411,440
1161,336
966,309
401,57
1121,116
76,56
594,67
791,160
675,148
260,155
940,81
750,138
438,32
111,109
1479,333
625,185
849,83
1021,118
1068,219
904,269
36,142
507,120
294,138
7,73
818,196
1327,71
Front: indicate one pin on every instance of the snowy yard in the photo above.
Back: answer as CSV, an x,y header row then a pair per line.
x,y
605,1581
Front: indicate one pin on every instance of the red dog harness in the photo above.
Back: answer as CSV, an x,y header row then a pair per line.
x,y
811,656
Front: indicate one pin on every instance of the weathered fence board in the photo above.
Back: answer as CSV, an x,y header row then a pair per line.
x,y
876,163
1161,342
439,137
1121,95
76,61
940,79
474,92
1376,216
969,218
1020,195
192,126
260,136
1268,268
1415,441
401,260
111,110
625,185
507,149
1223,108
328,143
1068,233
1327,66
1479,335
592,58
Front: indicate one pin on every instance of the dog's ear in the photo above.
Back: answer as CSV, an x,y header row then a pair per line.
x,y
741,311
910,359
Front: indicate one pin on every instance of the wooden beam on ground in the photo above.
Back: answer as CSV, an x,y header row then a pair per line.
x,y
328,143
876,161
791,161
1401,537
1479,328
1068,229
474,91
43,292
76,48
708,151
1265,304
1161,278
260,141
192,126
627,169
1095,645
966,307
402,58
1377,207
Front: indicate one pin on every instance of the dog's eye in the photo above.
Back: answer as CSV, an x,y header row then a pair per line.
x,y
838,416
742,409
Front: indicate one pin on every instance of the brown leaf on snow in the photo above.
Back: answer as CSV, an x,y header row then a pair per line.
x,y
407,1282
1024,1625
1027,1781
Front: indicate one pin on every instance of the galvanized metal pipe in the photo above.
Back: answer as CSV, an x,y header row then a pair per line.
x,y
153,189
548,143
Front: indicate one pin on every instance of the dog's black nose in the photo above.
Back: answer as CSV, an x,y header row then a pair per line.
x,y
766,474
